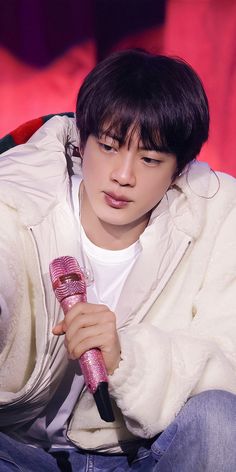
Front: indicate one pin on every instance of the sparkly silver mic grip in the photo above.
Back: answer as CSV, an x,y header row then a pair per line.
x,y
69,286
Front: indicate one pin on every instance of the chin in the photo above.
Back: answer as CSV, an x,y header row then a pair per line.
x,y
115,220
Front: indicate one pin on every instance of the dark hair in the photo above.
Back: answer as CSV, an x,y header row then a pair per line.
x,y
161,97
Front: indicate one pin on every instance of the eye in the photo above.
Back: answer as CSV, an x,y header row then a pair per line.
x,y
106,147
150,161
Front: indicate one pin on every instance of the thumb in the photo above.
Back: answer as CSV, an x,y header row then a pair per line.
x,y
59,329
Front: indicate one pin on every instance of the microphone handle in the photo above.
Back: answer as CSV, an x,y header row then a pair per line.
x,y
93,369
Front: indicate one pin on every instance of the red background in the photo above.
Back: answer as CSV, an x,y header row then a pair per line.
x,y
41,76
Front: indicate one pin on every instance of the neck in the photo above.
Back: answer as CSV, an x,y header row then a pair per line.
x,y
110,237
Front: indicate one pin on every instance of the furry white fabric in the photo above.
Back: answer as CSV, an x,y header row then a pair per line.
x,y
178,306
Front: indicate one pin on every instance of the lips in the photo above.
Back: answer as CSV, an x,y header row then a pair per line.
x,y
119,198
116,201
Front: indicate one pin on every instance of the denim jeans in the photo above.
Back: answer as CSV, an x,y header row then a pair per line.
x,y
202,438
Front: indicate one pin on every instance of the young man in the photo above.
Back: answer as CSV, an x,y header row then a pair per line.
x,y
154,232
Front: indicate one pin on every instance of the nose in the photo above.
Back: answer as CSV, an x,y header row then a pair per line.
x,y
124,172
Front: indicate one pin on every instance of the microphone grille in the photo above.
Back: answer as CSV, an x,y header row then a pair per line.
x,y
67,278
62,266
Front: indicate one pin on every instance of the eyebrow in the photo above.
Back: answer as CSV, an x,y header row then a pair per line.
x,y
155,149
109,135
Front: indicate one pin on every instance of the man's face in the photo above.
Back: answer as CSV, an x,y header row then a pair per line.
x,y
122,184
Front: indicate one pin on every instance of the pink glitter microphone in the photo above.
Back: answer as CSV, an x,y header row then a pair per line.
x,y
69,286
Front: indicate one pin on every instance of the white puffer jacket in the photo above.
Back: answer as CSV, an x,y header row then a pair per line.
x,y
177,310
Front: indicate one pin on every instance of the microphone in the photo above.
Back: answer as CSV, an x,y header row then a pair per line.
x,y
69,286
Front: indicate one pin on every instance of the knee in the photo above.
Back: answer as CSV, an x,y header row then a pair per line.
x,y
201,435
212,411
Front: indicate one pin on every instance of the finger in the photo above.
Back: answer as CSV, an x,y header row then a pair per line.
x,y
111,354
59,329
85,308
77,337
76,350
86,338
105,320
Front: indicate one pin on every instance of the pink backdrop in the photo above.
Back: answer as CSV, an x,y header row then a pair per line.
x,y
202,32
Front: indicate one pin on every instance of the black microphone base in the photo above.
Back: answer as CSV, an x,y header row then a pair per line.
x,y
103,402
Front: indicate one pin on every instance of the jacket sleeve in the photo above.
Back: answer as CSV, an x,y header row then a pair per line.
x,y
35,165
16,321
160,370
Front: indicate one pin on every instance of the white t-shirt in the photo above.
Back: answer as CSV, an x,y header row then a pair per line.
x,y
108,269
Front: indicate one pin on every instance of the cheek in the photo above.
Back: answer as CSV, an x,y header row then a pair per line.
x,y
88,168
156,191
157,188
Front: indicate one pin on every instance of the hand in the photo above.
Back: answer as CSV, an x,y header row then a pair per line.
x,y
88,326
